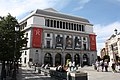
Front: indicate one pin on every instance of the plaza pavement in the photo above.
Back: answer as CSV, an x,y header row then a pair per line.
x,y
30,74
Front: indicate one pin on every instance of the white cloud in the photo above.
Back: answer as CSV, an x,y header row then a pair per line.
x,y
18,7
81,4
103,32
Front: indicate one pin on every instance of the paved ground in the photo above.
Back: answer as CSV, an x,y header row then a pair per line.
x,y
94,75
30,74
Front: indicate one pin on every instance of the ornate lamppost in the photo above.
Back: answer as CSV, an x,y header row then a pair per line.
x,y
14,71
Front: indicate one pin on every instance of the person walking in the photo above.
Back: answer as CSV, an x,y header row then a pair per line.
x,y
113,66
106,65
70,65
102,65
97,63
119,65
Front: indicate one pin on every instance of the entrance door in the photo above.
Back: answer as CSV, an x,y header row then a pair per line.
x,y
77,59
85,59
48,59
67,58
57,59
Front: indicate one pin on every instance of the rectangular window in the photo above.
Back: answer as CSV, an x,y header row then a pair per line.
x,y
77,27
84,46
25,60
51,23
74,26
48,35
48,44
25,52
58,24
80,28
83,28
46,22
61,24
54,23
71,26
66,25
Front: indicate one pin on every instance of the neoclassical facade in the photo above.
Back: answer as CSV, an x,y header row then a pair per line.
x,y
112,46
54,37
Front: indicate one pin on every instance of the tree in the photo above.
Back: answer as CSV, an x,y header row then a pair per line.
x,y
8,37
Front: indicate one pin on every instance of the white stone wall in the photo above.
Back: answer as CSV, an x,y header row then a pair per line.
x,y
89,29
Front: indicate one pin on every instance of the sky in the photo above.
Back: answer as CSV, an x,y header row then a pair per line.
x,y
103,14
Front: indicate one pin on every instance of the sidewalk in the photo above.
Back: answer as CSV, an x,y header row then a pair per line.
x,y
31,74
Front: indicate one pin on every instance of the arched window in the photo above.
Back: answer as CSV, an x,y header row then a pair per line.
x,y
77,59
48,59
57,59
67,57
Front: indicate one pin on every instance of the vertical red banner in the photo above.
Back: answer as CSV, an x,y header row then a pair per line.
x,y
37,37
92,42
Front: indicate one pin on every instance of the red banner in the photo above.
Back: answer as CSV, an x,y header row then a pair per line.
x,y
37,37
92,42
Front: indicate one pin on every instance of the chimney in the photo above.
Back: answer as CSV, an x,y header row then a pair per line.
x,y
115,31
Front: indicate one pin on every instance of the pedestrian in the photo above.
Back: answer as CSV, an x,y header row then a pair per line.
x,y
119,65
106,65
113,66
70,65
97,63
73,64
102,65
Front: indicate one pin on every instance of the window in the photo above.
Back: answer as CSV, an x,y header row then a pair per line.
x,y
58,24
25,52
84,46
80,28
77,28
48,44
36,50
69,26
48,35
47,22
25,60
84,38
54,23
51,23
83,28
74,26
61,24
66,25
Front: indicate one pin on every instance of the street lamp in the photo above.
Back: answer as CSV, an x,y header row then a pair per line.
x,y
14,71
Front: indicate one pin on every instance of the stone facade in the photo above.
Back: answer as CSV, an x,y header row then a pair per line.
x,y
53,38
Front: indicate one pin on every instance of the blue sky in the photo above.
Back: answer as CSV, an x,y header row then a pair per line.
x,y
103,14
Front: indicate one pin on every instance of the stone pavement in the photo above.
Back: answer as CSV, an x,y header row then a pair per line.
x,y
94,75
30,74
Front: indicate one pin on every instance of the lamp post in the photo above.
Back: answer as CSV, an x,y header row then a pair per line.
x,y
14,71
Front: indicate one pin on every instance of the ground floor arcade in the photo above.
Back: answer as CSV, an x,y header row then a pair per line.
x,y
58,56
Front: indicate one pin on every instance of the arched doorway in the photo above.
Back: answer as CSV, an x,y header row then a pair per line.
x,y
48,59
77,59
67,57
85,59
57,59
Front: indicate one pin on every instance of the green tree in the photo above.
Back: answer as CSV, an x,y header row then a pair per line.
x,y
8,37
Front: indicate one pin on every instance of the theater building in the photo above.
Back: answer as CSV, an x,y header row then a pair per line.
x,y
54,37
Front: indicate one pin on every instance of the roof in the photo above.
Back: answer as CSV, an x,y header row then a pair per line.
x,y
112,36
54,13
